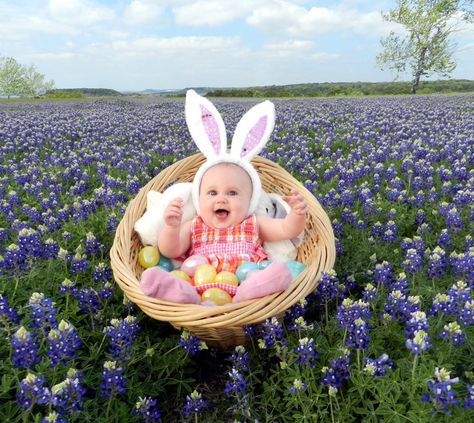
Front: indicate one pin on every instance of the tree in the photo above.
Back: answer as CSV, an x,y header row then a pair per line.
x,y
17,79
425,47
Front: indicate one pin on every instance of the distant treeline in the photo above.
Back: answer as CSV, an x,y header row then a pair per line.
x,y
334,89
82,92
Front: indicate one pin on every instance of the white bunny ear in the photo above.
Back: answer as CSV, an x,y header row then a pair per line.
x,y
205,125
253,131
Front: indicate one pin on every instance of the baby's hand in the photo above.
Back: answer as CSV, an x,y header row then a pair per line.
x,y
297,202
174,213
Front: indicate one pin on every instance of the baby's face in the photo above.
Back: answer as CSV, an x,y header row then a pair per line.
x,y
224,195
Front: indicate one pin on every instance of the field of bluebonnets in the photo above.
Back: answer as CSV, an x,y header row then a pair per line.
x,y
387,336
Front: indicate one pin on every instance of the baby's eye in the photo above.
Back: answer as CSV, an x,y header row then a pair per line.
x,y
232,193
212,192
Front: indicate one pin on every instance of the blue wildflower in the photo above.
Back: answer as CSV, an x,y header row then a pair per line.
x,y
419,342
298,386
63,343
32,392
113,381
335,376
453,333
43,312
122,334
191,344
306,352
8,315
146,411
194,404
25,349
441,395
469,400
272,334
379,366
68,395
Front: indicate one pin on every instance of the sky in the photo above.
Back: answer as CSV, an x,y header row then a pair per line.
x,y
171,44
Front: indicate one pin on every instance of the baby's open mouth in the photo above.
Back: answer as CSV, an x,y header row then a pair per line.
x,y
222,212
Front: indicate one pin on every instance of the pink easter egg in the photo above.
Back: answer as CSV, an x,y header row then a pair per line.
x,y
191,263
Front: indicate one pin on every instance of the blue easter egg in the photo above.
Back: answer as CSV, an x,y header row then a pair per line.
x,y
166,264
264,264
296,268
244,269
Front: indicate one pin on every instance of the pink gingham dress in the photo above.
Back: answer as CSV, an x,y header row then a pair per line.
x,y
227,248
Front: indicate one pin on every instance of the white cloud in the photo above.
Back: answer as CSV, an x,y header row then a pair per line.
x,y
52,56
287,48
298,21
80,12
142,11
213,12
324,57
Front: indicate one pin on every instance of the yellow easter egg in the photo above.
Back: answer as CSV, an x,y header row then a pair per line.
x,y
227,277
149,256
181,275
217,295
204,274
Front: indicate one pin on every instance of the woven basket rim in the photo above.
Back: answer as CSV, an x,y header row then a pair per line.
x,y
123,256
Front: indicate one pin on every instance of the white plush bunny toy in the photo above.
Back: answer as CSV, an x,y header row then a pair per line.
x,y
208,131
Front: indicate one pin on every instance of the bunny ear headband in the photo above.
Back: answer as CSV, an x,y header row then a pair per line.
x,y
208,132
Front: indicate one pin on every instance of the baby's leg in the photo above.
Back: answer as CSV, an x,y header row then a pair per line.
x,y
276,277
158,283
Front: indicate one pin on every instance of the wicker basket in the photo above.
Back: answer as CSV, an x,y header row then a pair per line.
x,y
222,326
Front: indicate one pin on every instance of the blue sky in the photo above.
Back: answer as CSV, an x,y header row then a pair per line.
x,y
139,44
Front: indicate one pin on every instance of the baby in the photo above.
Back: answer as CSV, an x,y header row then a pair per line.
x,y
226,191
226,234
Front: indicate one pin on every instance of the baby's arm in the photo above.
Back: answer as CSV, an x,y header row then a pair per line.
x,y
291,226
175,238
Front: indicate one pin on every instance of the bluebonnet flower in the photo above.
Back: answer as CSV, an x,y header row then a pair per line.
x,y
300,324
390,234
444,239
50,249
25,349
328,287
441,394
377,230
401,284
89,300
54,417
68,287
369,293
32,392
112,222
463,264
113,381
453,219
92,244
358,334
14,258
417,321
146,411
443,303
452,332
335,376
296,311
379,366
69,394
122,334
240,358
237,385
102,273
191,344
351,310
63,343
43,312
30,242
252,331
383,273
8,315
469,400
298,386
79,264
460,292
272,334
437,263
466,315
306,352
194,404
413,261
419,342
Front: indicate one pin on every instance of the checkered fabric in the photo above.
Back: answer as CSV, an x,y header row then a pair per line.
x,y
227,248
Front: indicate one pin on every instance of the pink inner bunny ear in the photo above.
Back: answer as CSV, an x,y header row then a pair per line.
x,y
211,128
254,136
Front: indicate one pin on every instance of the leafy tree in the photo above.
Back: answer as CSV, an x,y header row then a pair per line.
x,y
24,81
425,47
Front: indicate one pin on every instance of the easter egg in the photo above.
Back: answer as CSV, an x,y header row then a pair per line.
x,y
149,256
190,265
204,274
226,277
181,275
244,269
166,264
217,295
264,264
295,267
